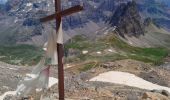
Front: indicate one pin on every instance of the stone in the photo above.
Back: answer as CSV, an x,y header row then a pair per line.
x,y
104,92
93,71
165,93
84,76
6,87
10,97
108,65
154,96
156,91
91,88
132,97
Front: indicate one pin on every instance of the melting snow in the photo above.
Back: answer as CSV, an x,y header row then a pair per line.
x,y
127,79
111,50
16,20
29,4
99,52
85,52
130,42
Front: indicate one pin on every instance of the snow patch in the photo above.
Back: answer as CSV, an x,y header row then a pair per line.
x,y
85,52
29,4
99,52
128,79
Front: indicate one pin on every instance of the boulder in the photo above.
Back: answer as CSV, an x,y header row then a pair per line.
x,y
154,96
165,93
104,92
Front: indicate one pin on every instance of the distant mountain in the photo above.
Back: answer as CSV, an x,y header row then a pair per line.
x,y
128,20
167,2
3,1
24,14
19,24
157,10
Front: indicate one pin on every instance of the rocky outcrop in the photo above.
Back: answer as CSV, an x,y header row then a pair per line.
x,y
128,20
25,12
154,96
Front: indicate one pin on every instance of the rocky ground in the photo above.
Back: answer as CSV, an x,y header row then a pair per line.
x,y
77,86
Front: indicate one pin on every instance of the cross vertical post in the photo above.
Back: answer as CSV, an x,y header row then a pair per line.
x,y
60,53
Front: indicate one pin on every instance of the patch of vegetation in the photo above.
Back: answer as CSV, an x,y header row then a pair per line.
x,y
87,67
111,57
78,42
148,55
20,54
30,55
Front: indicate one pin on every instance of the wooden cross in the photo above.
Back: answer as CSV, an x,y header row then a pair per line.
x,y
58,16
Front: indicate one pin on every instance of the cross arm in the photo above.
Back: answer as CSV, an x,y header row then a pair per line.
x,y
62,13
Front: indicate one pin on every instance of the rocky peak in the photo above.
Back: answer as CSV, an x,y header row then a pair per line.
x,y
127,19
20,15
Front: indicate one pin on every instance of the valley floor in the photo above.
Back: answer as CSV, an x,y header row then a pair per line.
x,y
77,86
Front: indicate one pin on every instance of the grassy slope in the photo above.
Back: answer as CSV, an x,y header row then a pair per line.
x,y
152,55
125,51
153,29
30,55
154,37
20,54
159,34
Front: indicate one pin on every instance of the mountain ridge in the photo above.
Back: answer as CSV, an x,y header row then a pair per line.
x,y
96,16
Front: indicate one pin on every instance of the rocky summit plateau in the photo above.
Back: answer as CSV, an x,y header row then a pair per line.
x,y
113,49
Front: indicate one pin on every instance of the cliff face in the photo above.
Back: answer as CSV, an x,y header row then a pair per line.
x,y
128,20
157,10
22,15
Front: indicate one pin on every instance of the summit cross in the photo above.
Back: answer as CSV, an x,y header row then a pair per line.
x,y
60,51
